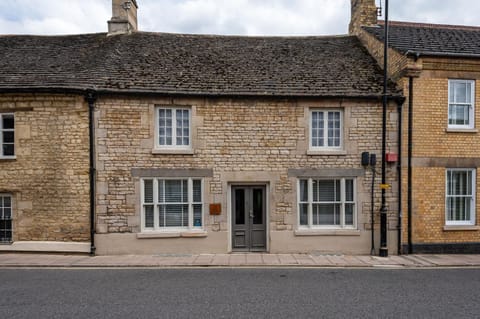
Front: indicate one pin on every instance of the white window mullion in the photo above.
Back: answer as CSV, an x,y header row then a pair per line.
x,y
190,203
310,202
156,213
342,200
202,221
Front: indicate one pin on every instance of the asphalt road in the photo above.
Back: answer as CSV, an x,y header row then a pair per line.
x,y
239,293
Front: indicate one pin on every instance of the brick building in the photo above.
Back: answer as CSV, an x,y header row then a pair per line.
x,y
190,143
438,68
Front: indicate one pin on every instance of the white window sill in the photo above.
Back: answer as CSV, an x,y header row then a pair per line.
x,y
327,232
173,234
8,158
179,151
461,130
325,152
461,228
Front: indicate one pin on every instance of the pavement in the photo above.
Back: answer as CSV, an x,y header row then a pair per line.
x,y
14,260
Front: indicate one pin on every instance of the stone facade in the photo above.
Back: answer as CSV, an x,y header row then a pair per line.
x,y
48,179
240,141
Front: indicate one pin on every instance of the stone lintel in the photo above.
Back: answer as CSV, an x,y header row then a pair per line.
x,y
171,172
447,162
326,172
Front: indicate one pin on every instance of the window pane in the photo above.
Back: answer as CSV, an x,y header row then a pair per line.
x,y
469,93
8,137
240,207
197,215
460,92
257,206
197,191
333,129
173,191
176,215
326,190
459,183
7,213
303,190
326,214
303,214
161,214
5,231
8,122
349,196
315,190
459,115
165,127
7,201
185,191
317,129
349,209
148,191
8,150
148,216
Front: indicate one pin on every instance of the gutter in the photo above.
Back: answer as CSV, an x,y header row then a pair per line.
x,y
136,92
417,54
91,98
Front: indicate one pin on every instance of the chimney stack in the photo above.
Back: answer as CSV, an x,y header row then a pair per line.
x,y
124,17
364,13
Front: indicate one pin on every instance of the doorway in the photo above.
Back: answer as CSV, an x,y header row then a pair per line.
x,y
249,218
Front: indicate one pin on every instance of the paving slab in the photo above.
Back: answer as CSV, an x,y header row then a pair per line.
x,y
237,260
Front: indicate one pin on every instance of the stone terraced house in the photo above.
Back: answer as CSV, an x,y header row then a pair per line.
x,y
138,142
438,69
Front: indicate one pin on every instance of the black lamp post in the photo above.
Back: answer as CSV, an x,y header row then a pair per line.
x,y
383,208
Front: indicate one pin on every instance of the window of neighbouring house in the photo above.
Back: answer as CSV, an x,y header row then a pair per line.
x,y
461,104
326,129
460,197
172,204
5,218
7,135
173,126
327,203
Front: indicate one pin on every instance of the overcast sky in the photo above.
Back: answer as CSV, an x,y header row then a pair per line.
x,y
239,17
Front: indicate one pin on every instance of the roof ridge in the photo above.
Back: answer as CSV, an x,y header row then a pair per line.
x,y
206,35
430,25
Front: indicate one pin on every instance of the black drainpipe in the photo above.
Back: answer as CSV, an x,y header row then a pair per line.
x,y
91,97
399,168
409,181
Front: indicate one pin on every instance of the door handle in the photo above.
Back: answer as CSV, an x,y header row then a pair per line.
x,y
251,214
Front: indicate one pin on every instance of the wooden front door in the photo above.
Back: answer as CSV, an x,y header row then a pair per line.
x,y
248,218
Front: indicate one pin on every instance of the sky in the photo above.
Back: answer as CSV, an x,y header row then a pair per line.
x,y
230,17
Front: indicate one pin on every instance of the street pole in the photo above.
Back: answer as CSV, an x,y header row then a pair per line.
x,y
383,209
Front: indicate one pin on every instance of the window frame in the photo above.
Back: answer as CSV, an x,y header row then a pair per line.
x,y
156,214
325,134
342,202
472,219
2,130
174,145
6,219
471,106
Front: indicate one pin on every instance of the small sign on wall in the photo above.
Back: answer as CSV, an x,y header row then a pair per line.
x,y
215,209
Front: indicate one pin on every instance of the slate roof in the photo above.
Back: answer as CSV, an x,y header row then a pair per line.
x,y
162,63
431,39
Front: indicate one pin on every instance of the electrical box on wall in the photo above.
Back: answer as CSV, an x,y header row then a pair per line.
x,y
391,158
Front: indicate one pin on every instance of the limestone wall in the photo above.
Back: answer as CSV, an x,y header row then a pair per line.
x,y
49,178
